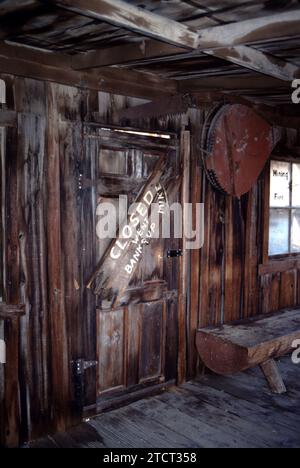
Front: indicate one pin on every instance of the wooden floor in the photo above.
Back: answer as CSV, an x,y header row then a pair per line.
x,y
212,411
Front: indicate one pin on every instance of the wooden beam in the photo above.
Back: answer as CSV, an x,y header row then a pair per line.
x,y
276,26
41,57
125,15
174,105
277,116
11,6
234,83
26,62
153,51
11,311
258,61
152,25
183,274
128,53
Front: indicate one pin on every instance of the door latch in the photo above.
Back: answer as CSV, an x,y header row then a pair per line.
x,y
174,253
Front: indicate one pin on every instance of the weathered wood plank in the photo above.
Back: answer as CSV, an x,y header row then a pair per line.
x,y
58,322
12,6
251,280
11,311
125,15
233,83
212,411
110,279
46,66
185,147
280,25
152,25
124,54
195,258
258,61
11,415
244,56
129,16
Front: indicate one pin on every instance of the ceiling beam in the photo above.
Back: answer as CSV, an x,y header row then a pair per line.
x,y
174,105
246,83
46,66
261,62
276,26
16,51
126,15
11,6
125,54
210,40
153,51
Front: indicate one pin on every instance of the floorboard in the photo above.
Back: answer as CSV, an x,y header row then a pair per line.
x,y
212,411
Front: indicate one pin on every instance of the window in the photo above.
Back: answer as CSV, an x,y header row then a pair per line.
x,y
2,92
284,230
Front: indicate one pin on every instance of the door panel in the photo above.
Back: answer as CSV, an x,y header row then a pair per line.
x,y
133,340
152,351
111,340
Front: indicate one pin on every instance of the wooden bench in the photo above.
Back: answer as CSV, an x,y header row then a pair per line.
x,y
243,345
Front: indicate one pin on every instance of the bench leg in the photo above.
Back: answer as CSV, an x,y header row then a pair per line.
x,y
272,374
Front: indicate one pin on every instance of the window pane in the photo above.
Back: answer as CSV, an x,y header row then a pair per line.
x,y
296,231
113,162
280,184
279,232
296,185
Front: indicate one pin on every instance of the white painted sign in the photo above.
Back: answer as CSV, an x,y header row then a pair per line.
x,y
280,184
141,227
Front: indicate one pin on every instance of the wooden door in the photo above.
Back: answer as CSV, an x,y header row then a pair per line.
x,y
136,338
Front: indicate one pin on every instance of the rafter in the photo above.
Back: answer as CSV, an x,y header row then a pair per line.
x,y
258,61
283,116
211,41
247,84
125,54
153,51
11,6
49,66
125,15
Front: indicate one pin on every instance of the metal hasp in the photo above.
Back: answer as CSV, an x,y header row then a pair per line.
x,y
237,145
174,253
79,367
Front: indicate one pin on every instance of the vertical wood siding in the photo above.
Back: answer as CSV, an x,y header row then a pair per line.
x,y
49,224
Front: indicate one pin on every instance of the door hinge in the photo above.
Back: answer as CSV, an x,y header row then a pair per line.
x,y
79,367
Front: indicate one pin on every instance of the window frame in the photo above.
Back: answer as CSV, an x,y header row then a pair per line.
x,y
267,258
2,212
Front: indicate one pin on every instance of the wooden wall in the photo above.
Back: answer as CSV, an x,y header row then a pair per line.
x,y
44,236
235,277
42,249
